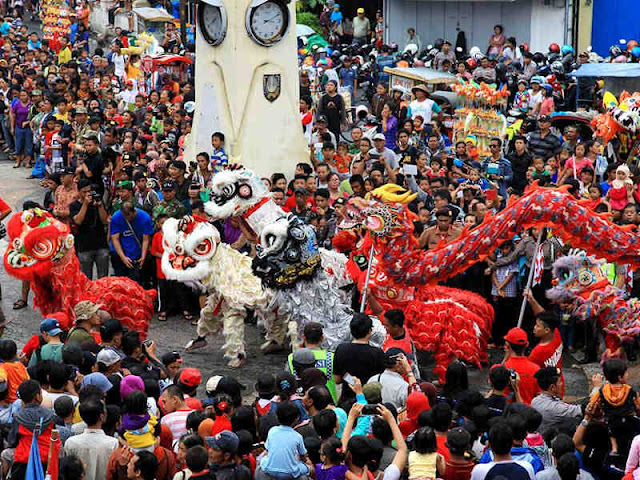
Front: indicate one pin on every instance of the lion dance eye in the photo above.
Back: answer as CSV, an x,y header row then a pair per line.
x,y
43,249
204,247
179,250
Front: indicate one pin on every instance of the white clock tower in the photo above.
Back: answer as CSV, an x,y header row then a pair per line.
x,y
247,83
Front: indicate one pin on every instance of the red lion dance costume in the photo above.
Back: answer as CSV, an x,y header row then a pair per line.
x,y
41,252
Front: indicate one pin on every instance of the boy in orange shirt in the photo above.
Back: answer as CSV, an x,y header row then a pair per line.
x,y
11,370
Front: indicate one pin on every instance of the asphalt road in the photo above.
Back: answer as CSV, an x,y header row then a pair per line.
x,y
176,332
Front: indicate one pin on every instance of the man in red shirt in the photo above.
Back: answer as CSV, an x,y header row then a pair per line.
x,y
548,351
515,344
299,181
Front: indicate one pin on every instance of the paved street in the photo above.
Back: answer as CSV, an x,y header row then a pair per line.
x,y
176,332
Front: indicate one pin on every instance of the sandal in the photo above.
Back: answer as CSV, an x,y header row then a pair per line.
x,y
19,304
16,165
162,316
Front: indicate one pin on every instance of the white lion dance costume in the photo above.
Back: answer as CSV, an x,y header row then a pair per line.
x,y
194,255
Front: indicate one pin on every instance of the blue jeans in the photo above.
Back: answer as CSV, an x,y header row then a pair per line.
x,y
24,141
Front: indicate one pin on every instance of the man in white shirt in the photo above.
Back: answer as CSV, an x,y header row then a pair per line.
x,y
394,388
423,105
93,446
500,441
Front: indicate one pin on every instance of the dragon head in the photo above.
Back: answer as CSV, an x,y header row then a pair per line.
x,y
234,191
288,252
188,247
574,275
36,242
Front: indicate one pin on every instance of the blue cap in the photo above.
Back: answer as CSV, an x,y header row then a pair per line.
x,y
50,326
225,440
99,380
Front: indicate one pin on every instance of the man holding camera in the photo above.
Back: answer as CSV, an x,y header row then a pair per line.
x,y
515,343
90,217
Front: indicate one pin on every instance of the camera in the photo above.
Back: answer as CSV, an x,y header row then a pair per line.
x,y
95,196
513,374
370,409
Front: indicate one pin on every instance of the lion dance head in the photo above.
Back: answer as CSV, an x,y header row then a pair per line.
x,y
37,241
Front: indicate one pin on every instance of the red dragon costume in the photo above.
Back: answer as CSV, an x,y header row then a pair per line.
x,y
41,252
434,318
448,322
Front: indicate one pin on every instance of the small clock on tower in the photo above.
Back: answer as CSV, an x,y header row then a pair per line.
x,y
212,17
267,21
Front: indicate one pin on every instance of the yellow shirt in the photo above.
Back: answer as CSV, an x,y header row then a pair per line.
x,y
64,56
422,465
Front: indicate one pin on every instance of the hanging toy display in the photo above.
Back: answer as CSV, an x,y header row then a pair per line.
x,y
56,20
480,113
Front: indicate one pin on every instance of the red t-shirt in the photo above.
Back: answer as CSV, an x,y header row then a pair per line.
x,y
442,447
157,249
526,369
290,203
549,355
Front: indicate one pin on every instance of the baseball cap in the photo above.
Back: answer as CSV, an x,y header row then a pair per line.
x,y
50,326
190,377
229,385
138,176
85,310
372,392
340,201
544,118
110,327
171,357
129,82
128,184
301,190
360,10
304,356
225,440
516,336
81,110
322,119
130,384
379,136
108,357
99,380
169,185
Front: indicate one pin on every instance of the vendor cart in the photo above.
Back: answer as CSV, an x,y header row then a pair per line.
x,y
175,65
408,78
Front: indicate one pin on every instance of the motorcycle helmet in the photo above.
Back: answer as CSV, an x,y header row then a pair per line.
x,y
539,58
474,51
567,49
438,43
631,44
557,68
548,88
554,48
536,79
635,52
471,63
615,51
411,49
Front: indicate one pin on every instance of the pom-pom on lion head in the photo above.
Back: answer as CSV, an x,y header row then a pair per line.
x,y
234,191
36,242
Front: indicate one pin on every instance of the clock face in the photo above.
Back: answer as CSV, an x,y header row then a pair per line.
x,y
268,22
213,23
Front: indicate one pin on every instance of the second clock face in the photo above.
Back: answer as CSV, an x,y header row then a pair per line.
x,y
268,22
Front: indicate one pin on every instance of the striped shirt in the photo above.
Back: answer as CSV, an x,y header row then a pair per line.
x,y
177,422
545,147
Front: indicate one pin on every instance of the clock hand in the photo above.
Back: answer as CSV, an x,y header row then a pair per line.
x,y
270,19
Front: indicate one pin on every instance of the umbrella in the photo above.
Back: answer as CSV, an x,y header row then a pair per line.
x,y
304,30
34,464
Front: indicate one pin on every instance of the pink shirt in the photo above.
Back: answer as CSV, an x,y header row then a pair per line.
x,y
585,162
177,422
